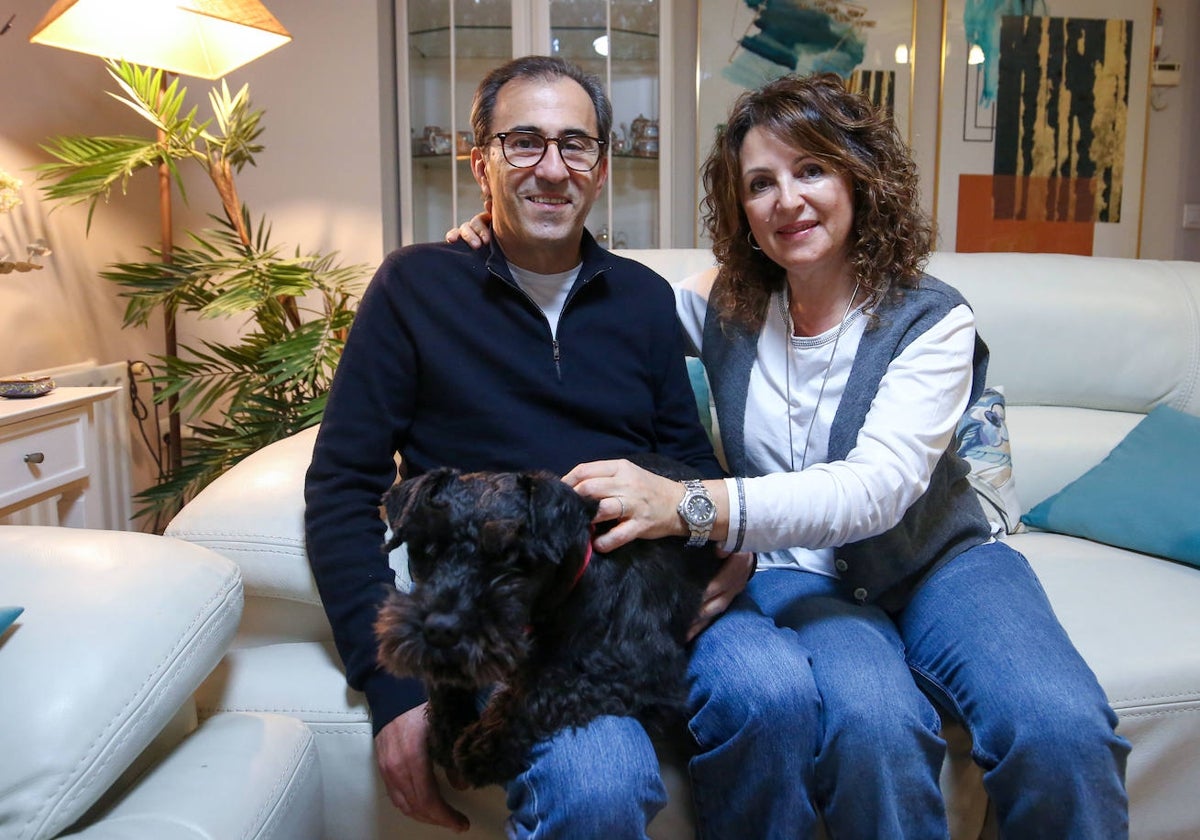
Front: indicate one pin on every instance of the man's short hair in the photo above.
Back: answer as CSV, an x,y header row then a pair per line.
x,y
543,68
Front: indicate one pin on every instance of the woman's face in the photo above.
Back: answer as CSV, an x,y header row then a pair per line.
x,y
800,209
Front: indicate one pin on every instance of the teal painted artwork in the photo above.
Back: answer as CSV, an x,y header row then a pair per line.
x,y
981,20
799,36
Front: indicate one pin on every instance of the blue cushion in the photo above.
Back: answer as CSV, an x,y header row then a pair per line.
x,y
8,615
699,378
1142,496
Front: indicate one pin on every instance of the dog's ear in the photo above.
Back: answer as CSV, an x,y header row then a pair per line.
x,y
557,519
558,523
517,532
411,494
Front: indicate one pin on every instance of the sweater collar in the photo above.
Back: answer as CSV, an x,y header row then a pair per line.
x,y
596,260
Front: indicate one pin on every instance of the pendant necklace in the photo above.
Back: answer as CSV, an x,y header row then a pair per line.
x,y
789,329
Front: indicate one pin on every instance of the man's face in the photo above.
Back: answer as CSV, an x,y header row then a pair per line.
x,y
538,212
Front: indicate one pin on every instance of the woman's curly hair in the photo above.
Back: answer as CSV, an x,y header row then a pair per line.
x,y
892,237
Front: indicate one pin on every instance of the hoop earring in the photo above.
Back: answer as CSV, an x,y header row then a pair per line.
x,y
750,239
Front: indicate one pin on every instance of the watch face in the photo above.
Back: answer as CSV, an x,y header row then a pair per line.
x,y
700,508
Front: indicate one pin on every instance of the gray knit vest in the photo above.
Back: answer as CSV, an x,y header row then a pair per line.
x,y
948,519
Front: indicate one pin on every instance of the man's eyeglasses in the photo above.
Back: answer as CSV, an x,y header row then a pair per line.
x,y
524,149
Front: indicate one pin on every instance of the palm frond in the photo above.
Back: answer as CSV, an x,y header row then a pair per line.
x,y
239,126
86,168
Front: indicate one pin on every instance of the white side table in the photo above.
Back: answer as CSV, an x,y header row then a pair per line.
x,y
57,460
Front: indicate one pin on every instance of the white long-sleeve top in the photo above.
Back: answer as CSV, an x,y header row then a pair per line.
x,y
800,507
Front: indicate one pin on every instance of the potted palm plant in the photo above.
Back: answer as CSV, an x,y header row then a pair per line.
x,y
236,396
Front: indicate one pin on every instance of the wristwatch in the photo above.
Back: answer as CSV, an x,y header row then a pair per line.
x,y
698,512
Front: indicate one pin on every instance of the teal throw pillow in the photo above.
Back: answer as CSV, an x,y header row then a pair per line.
x,y
1142,496
704,405
699,379
7,616
982,440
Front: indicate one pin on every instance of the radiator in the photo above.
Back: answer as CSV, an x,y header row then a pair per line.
x,y
113,477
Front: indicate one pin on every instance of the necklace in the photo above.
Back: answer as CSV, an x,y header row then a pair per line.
x,y
789,328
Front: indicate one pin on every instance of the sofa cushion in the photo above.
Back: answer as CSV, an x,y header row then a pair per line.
x,y
239,775
1156,464
119,630
1131,615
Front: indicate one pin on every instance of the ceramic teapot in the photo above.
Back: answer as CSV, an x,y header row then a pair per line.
x,y
645,137
644,129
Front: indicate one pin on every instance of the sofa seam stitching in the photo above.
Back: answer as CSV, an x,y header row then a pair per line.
x,y
295,773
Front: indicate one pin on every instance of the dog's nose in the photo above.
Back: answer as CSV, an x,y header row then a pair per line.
x,y
442,629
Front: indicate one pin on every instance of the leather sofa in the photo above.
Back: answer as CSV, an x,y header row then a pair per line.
x,y
1084,348
101,740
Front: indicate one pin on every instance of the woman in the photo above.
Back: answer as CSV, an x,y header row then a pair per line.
x,y
839,372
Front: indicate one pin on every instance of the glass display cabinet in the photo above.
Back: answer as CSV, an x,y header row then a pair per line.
x,y
445,47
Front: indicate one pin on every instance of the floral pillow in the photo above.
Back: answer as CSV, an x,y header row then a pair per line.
x,y
982,440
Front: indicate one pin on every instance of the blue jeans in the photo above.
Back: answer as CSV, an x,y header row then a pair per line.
x,y
754,729
980,640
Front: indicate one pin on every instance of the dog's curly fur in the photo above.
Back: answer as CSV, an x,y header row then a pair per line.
x,y
504,602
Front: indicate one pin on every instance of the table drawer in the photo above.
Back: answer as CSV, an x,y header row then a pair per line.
x,y
41,455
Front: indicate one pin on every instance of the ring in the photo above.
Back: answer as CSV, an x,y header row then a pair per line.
x,y
621,502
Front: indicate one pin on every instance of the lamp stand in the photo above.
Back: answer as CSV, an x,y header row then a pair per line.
x,y
170,341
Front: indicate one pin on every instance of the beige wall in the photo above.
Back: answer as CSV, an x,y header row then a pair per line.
x,y
1172,167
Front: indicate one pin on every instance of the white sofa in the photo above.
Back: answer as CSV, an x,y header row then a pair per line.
x,y
1084,347
100,732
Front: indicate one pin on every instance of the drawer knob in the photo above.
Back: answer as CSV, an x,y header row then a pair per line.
x,y
35,458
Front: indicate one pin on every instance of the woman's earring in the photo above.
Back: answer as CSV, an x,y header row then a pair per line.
x,y
750,239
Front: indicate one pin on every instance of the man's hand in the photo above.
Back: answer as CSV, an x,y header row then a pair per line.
x,y
402,751
729,580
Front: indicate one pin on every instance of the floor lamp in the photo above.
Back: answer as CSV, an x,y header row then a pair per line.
x,y
203,38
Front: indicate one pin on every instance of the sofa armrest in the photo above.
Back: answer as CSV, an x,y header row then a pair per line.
x,y
238,775
118,631
254,515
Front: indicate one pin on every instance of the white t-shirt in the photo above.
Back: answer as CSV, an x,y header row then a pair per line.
x,y
548,291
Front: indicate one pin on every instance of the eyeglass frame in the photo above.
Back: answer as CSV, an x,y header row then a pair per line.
x,y
546,141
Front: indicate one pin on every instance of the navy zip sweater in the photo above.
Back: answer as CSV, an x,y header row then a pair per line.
x,y
450,363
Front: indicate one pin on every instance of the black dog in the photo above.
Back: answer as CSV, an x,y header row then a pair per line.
x,y
508,597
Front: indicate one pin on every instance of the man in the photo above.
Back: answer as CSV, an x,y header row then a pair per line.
x,y
539,352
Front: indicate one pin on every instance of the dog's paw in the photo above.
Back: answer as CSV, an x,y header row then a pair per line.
x,y
450,712
483,767
486,755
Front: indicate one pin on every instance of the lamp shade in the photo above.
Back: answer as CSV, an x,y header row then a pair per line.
x,y
202,38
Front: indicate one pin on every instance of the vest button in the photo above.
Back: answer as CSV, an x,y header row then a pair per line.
x,y
860,594
841,565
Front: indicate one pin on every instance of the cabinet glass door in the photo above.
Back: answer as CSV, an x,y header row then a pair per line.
x,y
450,45
617,40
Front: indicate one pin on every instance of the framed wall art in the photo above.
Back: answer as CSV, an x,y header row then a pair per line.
x,y
744,43
1042,125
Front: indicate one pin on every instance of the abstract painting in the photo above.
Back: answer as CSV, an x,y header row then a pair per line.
x,y
1043,110
1066,80
795,36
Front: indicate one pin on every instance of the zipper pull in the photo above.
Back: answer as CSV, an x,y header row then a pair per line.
x,y
557,368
